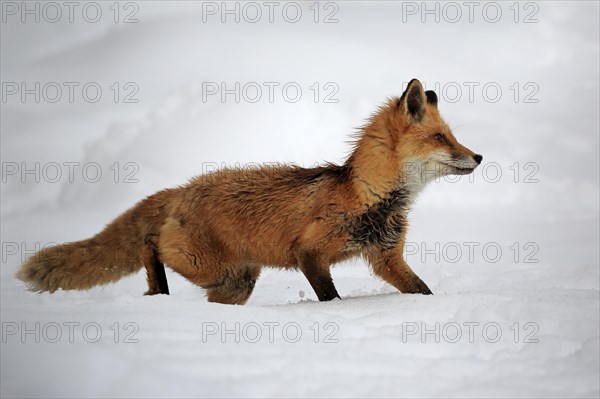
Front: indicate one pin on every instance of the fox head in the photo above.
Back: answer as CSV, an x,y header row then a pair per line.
x,y
424,142
407,142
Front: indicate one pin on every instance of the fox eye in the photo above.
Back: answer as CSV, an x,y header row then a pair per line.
x,y
440,137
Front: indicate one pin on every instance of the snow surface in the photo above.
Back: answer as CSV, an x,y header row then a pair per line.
x,y
375,341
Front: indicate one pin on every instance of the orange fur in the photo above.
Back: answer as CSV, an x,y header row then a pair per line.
x,y
220,229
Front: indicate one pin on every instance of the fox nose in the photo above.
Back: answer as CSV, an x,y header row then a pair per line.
x,y
478,158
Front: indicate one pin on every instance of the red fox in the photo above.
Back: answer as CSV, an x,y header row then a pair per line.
x,y
220,229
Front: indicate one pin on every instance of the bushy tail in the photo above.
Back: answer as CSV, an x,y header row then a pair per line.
x,y
107,257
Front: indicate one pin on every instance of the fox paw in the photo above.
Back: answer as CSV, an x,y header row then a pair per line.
x,y
418,287
155,292
425,290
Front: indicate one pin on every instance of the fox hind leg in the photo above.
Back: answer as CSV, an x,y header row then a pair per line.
x,y
235,287
155,269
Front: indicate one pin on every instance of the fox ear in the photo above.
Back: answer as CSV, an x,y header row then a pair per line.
x,y
413,100
431,98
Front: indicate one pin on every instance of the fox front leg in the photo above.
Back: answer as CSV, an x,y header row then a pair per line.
x,y
318,275
390,266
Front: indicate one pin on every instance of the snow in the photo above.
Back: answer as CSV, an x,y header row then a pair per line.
x,y
542,294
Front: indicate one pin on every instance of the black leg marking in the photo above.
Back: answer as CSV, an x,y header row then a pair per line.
x,y
319,277
157,278
161,276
